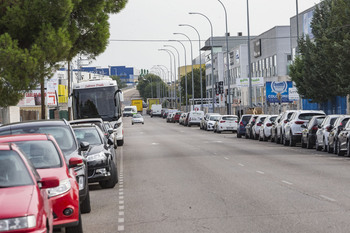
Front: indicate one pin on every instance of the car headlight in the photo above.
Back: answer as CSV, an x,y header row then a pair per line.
x,y
116,125
17,223
62,188
99,156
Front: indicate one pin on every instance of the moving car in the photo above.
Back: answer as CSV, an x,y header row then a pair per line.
x,y
308,132
47,158
226,123
137,119
100,155
25,204
64,135
242,124
129,111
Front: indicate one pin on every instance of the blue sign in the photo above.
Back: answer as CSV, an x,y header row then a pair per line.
x,y
274,90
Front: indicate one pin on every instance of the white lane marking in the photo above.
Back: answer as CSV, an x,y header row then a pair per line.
x,y
120,220
121,213
260,172
286,182
242,165
121,207
226,158
121,194
328,198
121,202
155,143
218,141
121,228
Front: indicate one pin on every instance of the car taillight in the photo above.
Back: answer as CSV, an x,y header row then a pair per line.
x,y
285,121
299,122
259,124
268,124
222,121
241,123
315,128
328,128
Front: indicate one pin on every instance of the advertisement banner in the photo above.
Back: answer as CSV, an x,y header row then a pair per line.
x,y
256,82
278,92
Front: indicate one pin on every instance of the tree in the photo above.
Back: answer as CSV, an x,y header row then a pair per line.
x,y
151,84
197,87
33,40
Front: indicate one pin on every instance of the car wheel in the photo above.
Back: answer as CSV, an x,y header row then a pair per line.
x,y
330,149
218,131
318,148
113,179
285,141
132,123
85,206
324,146
335,143
120,142
239,135
347,148
303,144
272,139
292,141
76,229
308,143
339,152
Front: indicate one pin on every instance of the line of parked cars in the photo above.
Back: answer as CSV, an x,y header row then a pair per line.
x,y
45,169
307,128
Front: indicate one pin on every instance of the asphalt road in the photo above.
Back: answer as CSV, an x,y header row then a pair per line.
x,y
182,179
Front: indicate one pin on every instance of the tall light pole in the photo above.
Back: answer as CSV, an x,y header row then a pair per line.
x,y
177,33
212,56
185,72
200,61
170,52
249,60
178,64
167,72
228,64
171,72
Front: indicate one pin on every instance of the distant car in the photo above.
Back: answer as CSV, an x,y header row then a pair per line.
x,y
129,111
195,118
100,155
343,145
323,132
242,124
273,137
337,127
249,127
63,133
137,119
280,126
211,122
256,127
177,117
265,129
46,156
182,118
226,123
170,117
293,128
308,132
25,203
204,121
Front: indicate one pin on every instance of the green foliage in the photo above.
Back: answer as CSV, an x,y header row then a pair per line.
x,y
321,71
149,84
197,87
119,81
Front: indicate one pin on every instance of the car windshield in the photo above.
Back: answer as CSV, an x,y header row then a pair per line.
x,y
89,135
63,135
272,119
245,119
13,171
127,109
229,118
214,118
308,116
42,154
137,116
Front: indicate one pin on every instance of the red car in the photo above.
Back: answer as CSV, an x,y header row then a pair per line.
x,y
25,205
177,117
46,156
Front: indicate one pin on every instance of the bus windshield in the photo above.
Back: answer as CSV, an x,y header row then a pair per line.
x,y
100,102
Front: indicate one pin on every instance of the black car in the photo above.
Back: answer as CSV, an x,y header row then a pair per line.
x,y
100,156
242,124
335,130
308,133
65,137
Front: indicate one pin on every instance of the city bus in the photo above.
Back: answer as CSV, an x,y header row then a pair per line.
x,y
99,99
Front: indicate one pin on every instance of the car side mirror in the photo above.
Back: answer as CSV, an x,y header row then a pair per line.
x,y
84,146
49,182
110,141
75,162
110,130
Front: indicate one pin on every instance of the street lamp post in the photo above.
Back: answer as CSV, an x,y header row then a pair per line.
x,y
228,64
249,60
177,33
200,61
160,66
212,56
185,72
178,73
170,52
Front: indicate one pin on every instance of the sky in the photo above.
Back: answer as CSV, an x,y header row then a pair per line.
x,y
145,26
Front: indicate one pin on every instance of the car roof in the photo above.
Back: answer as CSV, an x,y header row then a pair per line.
x,y
35,123
87,120
25,137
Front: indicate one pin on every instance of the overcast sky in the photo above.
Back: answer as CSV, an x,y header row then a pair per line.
x,y
144,26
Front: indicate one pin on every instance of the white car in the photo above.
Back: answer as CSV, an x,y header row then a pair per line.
x,y
195,118
265,129
137,118
256,127
226,123
211,122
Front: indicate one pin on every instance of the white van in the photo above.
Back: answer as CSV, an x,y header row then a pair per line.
x,y
156,110
129,110
195,118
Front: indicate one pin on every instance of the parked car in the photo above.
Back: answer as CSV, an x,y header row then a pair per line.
x,y
308,132
265,128
292,129
256,127
177,117
280,126
182,118
112,133
100,155
204,121
170,117
186,119
195,118
212,121
249,127
337,127
47,158
323,132
25,204
274,128
342,146
137,119
63,133
242,124
226,123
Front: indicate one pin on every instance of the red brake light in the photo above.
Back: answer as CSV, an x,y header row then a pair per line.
x,y
285,121
259,124
315,127
241,123
222,121
268,124
236,121
299,122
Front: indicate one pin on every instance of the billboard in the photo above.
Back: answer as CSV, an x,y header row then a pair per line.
x,y
278,92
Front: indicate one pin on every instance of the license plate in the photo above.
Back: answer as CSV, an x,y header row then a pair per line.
x,y
230,128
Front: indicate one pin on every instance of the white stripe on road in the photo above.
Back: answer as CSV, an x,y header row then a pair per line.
x,y
226,158
260,172
328,198
242,165
286,182
121,194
